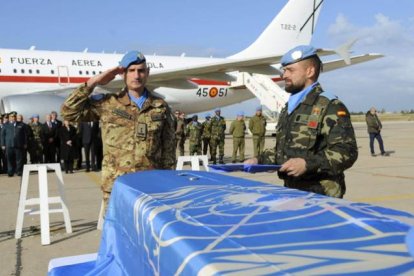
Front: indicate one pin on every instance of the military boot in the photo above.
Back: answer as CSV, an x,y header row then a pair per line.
x,y
214,160
221,161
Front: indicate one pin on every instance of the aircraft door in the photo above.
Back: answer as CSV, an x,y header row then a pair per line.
x,y
63,75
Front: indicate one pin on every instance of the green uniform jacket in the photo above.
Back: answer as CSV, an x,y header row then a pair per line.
x,y
320,131
206,129
373,123
257,125
133,139
237,128
218,126
194,132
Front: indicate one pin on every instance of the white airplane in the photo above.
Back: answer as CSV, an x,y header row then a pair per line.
x,y
33,81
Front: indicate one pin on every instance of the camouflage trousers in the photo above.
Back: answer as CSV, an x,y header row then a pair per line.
x,y
36,153
329,187
258,145
179,143
195,148
206,145
238,145
109,173
214,143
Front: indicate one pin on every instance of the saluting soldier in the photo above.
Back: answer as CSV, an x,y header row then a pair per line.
x,y
194,136
315,140
238,130
206,134
218,127
137,127
35,143
257,126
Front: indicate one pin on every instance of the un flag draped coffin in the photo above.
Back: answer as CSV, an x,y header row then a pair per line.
x,y
189,223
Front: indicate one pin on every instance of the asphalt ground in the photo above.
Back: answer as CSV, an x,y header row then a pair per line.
x,y
383,181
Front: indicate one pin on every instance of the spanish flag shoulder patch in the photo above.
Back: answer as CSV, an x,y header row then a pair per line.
x,y
341,113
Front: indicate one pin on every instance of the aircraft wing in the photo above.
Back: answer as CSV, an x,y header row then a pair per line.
x,y
181,77
340,63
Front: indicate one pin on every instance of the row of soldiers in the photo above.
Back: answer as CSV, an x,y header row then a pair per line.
x,y
211,135
48,142
17,138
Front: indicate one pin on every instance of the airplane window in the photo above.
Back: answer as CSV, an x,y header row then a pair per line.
x,y
14,71
38,71
22,71
80,72
30,71
93,72
100,72
52,71
87,72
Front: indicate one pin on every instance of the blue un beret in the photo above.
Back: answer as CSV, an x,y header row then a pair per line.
x,y
297,54
132,57
241,113
259,108
217,110
35,116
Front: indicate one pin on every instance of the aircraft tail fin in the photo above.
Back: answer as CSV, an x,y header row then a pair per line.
x,y
294,25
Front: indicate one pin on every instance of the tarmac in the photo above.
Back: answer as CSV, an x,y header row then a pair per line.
x,y
383,181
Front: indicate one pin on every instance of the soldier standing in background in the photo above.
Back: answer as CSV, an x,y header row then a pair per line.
x,y
49,134
238,130
180,133
137,127
315,140
29,136
374,130
3,160
257,126
14,142
218,127
206,134
57,124
194,136
35,144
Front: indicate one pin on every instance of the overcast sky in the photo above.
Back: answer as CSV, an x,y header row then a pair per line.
x,y
222,27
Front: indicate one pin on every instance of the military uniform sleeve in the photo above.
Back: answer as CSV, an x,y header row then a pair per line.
x,y
168,142
231,128
78,106
268,156
340,151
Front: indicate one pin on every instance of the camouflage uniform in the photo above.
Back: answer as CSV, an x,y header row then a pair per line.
x,y
133,139
180,135
218,126
206,135
237,129
35,146
194,135
320,131
257,126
